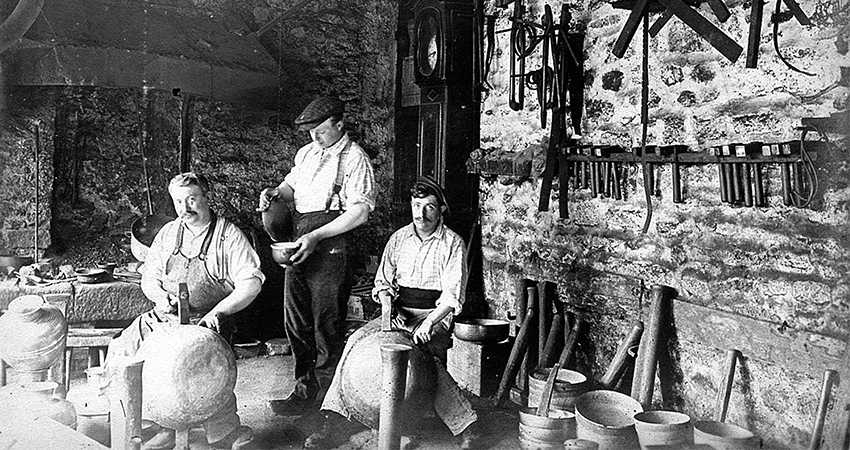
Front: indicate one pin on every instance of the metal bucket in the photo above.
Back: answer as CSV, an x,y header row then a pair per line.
x,y
607,418
724,436
656,428
539,432
568,386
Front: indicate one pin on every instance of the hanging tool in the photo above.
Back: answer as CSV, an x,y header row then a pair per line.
x,y
777,17
143,139
644,120
754,38
517,74
825,396
705,29
721,404
551,162
721,174
677,177
563,183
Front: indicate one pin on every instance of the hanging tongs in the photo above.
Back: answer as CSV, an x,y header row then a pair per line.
x,y
517,80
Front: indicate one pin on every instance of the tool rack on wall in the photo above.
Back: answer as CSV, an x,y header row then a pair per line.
x,y
740,168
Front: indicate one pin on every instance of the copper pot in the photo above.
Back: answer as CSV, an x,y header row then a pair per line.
x,y
143,232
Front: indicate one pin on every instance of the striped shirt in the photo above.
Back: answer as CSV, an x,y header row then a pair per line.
x,y
315,171
438,262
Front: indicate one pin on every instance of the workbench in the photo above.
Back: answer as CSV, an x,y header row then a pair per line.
x,y
109,302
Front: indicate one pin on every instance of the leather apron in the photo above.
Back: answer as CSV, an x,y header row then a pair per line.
x,y
204,290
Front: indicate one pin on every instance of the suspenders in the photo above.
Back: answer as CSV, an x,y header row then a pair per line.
x,y
340,174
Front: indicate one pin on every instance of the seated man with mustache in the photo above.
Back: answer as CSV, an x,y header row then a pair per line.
x,y
421,277
222,272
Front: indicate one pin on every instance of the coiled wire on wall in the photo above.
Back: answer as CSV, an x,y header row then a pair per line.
x,y
802,197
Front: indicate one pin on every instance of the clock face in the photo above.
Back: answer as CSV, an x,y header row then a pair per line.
x,y
429,46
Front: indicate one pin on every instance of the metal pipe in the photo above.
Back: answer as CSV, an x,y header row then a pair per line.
x,y
125,404
660,297
825,395
35,177
393,383
143,137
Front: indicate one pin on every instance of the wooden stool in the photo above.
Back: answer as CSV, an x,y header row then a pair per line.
x,y
95,339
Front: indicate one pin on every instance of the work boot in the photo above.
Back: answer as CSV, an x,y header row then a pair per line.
x,y
292,405
332,433
236,439
471,437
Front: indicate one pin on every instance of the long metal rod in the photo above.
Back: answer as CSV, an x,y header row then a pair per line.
x,y
35,177
143,137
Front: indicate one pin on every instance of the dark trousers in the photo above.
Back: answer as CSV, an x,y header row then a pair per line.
x,y
315,303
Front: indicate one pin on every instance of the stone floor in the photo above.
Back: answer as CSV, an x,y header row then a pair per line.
x,y
265,377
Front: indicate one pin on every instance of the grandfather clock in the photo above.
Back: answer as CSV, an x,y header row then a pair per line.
x,y
439,98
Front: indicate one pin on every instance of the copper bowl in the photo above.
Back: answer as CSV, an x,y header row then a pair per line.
x,y
283,251
482,330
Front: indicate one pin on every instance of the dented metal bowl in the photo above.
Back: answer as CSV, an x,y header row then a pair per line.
x,y
482,330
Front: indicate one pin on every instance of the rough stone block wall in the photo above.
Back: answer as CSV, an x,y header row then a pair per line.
x,y
92,186
778,264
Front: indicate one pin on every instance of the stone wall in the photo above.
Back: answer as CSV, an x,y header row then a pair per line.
x,y
780,265
91,176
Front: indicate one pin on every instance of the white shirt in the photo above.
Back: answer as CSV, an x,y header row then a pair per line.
x,y
315,172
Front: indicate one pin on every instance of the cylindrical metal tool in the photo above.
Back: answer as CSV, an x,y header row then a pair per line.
x,y
727,176
786,183
736,183
825,395
721,404
125,404
677,183
748,187
758,186
660,297
618,193
617,366
394,380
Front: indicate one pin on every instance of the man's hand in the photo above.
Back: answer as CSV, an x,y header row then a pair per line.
x,y
266,198
308,244
422,334
211,320
167,305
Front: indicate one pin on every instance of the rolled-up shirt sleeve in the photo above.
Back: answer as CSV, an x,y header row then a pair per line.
x,y
359,183
243,263
385,277
453,276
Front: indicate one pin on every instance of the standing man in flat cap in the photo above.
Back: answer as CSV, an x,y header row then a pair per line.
x,y
332,186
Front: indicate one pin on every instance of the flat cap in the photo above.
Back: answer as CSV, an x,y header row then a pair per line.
x,y
318,111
